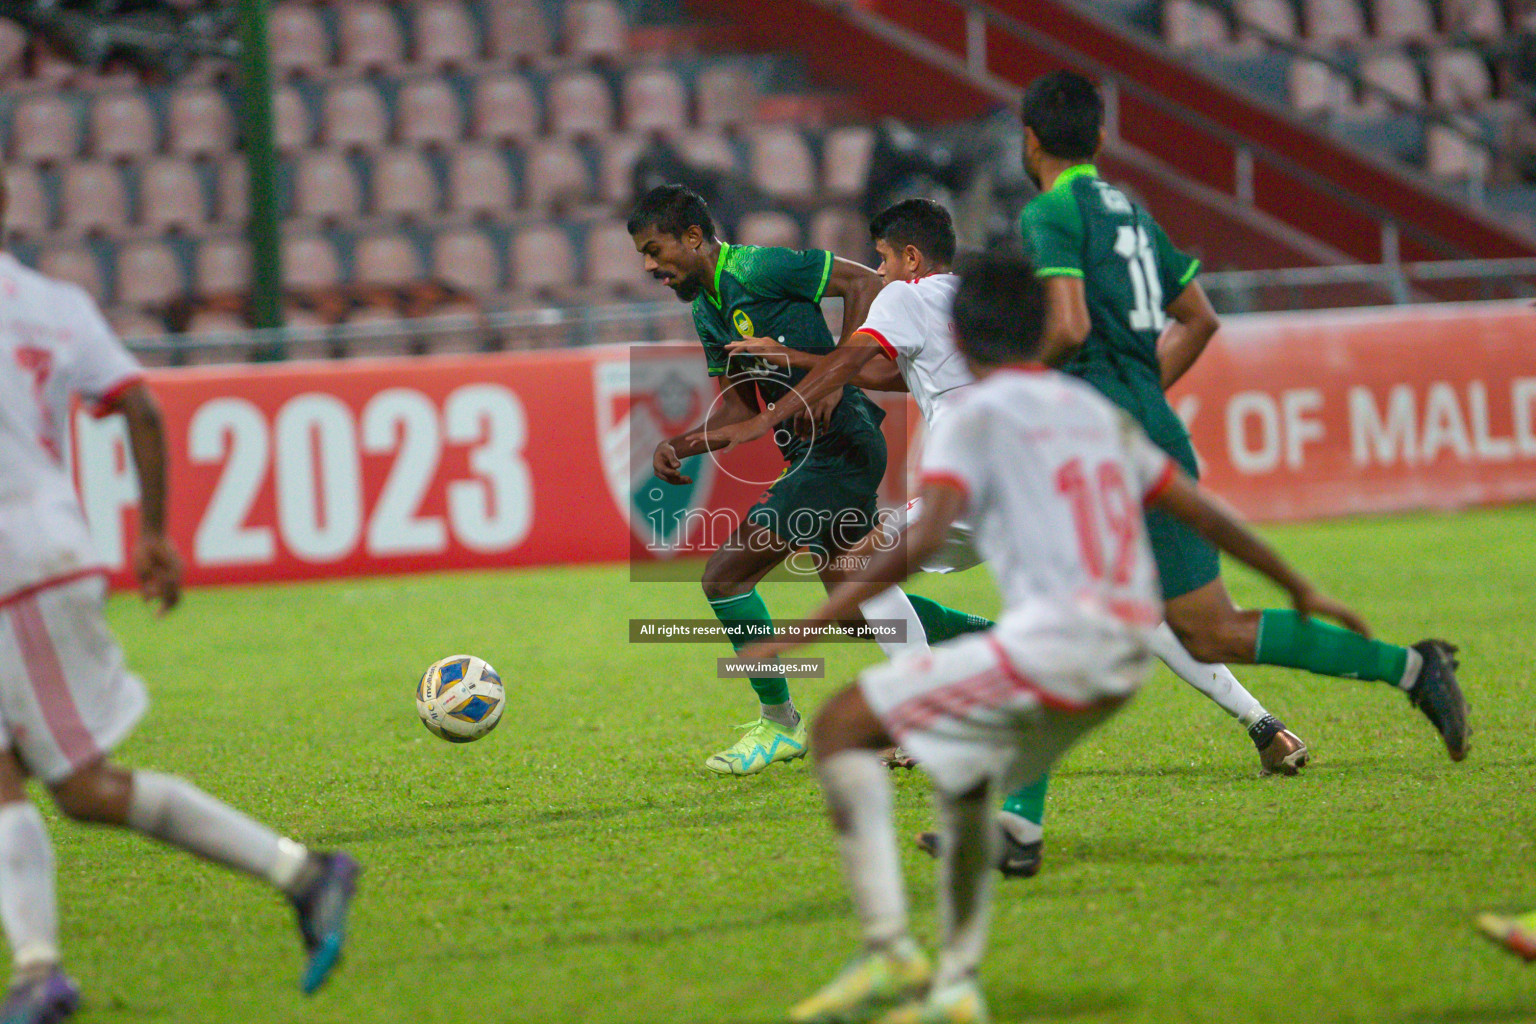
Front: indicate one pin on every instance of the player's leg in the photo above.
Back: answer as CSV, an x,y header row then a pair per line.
x,y
1213,628
29,906
1515,933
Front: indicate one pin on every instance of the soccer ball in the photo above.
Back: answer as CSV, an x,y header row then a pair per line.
x,y
460,698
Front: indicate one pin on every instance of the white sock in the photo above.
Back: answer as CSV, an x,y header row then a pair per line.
x,y
781,714
28,900
1215,681
1021,828
893,604
174,811
1411,670
967,869
858,792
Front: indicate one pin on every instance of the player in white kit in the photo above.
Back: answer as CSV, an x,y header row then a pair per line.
x,y
66,698
1054,478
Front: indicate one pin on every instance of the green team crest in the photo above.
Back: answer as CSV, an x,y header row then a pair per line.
x,y
743,324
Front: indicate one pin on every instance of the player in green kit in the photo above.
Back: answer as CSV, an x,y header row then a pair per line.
x,y
1126,314
824,501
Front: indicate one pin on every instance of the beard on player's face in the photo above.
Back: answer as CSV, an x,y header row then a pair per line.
x,y
685,286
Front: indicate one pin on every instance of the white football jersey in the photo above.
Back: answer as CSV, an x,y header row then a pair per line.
x,y
911,321
54,344
1055,478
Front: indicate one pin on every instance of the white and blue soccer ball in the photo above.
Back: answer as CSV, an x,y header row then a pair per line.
x,y
460,698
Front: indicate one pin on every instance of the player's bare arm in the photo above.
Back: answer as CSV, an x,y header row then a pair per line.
x,y
738,402
875,375
1209,516
155,560
1194,322
857,286
1066,319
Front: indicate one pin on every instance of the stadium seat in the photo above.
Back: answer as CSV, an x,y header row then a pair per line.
x,y
554,177
310,262
122,126
386,260
1275,17
13,51
1393,73
612,264
404,186
75,264
232,199
655,99
771,228
1316,88
727,96
148,274
216,321
444,34
710,150
128,323
27,216
505,109
480,182
465,259
44,129
845,158
93,199
326,187
368,36
171,196
50,68
1451,156
1334,21
293,127
1482,20
543,263
595,29
580,105
516,31
427,114
353,116
843,231
199,123
781,163
1404,21
1458,79
221,266
616,165
297,40
1191,24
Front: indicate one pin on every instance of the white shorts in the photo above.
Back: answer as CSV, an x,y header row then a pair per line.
x,y
66,698
1005,704
956,554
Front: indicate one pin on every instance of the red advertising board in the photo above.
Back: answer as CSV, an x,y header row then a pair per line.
x,y
309,470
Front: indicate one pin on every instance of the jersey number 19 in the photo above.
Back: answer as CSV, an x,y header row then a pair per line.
x,y
1132,245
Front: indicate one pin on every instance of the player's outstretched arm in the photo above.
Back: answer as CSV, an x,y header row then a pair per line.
x,y
738,403
1066,318
155,561
875,375
1194,324
1211,517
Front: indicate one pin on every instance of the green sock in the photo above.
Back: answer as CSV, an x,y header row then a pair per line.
x,y
1285,638
739,613
941,623
1029,801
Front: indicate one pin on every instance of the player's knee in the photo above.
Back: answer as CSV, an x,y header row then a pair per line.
x,y
93,794
718,589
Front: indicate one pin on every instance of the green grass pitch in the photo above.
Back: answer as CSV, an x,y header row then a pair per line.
x,y
579,866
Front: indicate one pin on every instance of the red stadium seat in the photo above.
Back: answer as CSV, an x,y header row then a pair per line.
x,y
386,260
1276,17
129,323
293,127
216,321
595,28
1330,21
94,199
555,177
1403,21
612,263
845,157
480,182
404,187
44,129
232,203
1482,20
580,104
505,109
297,40
326,187
543,262
710,150
616,164
171,196
222,266
13,51
199,122
1315,88
465,259
842,231
310,262
445,34
1191,25
122,126
368,36
770,228
1450,155
75,264
781,163
26,205
1394,73
353,116
516,31
427,114
1458,79
148,274
655,99
727,96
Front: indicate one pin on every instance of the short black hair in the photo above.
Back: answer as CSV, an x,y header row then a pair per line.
x,y
672,210
919,222
1066,113
999,310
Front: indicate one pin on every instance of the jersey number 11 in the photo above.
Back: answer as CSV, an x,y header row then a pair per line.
x,y
1132,245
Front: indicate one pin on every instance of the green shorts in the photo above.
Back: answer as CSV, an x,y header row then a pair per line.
x,y
1185,560
825,499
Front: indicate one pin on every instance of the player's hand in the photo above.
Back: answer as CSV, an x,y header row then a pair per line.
x,y
821,414
755,347
667,465
1311,602
158,568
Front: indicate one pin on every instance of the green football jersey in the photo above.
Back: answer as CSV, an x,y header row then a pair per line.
x,y
1085,227
763,292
